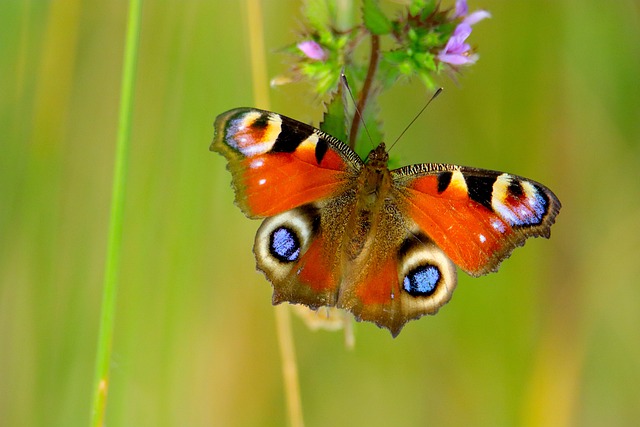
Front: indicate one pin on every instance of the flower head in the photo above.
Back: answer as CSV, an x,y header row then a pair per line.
x,y
312,50
456,51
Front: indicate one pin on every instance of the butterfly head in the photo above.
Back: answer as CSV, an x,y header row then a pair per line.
x,y
378,158
375,177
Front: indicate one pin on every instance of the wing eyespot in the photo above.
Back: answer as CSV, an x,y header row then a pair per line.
x,y
284,244
422,281
425,272
282,239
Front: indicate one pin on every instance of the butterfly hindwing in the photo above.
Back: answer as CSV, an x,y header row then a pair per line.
x,y
298,258
278,163
398,275
401,274
477,217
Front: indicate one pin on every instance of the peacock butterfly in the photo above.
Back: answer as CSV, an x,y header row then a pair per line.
x,y
383,244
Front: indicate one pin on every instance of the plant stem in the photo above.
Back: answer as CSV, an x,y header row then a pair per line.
x,y
282,312
366,90
114,248
289,365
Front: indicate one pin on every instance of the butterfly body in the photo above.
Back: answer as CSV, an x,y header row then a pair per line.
x,y
380,243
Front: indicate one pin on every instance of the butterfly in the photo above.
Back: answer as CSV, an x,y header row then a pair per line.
x,y
382,244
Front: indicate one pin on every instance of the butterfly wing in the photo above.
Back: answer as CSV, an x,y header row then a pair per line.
x,y
400,274
477,217
278,163
289,172
387,252
300,255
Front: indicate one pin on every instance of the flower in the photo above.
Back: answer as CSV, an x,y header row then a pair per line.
x,y
461,12
461,9
456,51
312,50
476,16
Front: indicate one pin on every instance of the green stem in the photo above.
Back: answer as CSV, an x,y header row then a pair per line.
x,y
366,90
114,249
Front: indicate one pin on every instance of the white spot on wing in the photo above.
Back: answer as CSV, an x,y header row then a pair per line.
x,y
498,225
257,163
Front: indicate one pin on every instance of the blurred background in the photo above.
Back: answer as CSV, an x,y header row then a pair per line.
x,y
553,339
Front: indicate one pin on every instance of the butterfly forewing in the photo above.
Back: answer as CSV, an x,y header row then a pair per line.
x,y
476,216
278,163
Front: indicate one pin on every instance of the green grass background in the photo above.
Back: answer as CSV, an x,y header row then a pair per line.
x,y
552,339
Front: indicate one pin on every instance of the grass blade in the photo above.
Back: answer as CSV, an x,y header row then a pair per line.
x,y
112,268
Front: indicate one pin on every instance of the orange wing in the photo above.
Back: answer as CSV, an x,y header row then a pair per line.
x,y
278,163
477,217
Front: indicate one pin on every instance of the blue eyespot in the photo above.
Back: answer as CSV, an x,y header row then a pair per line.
x,y
422,281
284,244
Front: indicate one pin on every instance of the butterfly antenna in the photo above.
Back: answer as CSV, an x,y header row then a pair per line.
x,y
434,96
343,78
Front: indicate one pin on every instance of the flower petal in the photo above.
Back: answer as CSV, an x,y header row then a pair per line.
x,y
457,59
476,16
313,50
462,31
461,9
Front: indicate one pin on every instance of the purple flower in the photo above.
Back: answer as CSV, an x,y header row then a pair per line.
x,y
461,12
461,9
456,51
476,16
312,50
